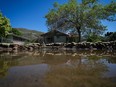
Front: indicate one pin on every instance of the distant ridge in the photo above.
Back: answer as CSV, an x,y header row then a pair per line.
x,y
29,34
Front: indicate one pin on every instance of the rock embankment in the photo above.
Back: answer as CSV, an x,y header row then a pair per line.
x,y
79,46
17,47
88,45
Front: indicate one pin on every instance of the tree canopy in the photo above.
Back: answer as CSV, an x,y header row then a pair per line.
x,y
79,17
5,27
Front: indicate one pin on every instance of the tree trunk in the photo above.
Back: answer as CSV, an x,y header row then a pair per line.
x,y
79,33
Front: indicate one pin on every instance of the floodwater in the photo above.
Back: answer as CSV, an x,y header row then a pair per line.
x,y
58,69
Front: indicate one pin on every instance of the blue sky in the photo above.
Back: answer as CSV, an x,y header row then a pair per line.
x,y
30,13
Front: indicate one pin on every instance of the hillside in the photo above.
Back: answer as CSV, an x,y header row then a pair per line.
x,y
29,34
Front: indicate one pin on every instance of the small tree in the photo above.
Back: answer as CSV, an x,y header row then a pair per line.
x,y
113,37
110,36
5,27
79,17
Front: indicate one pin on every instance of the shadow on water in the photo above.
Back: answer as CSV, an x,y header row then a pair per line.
x,y
68,68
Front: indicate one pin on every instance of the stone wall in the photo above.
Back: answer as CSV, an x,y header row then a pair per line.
x,y
78,46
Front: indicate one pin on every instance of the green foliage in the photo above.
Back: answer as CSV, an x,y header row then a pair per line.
x,y
108,33
113,36
80,17
16,32
110,36
92,35
94,38
5,27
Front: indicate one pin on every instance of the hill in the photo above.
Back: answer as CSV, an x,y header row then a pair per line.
x,y
29,34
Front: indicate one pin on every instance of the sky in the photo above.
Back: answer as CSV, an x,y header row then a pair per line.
x,y
30,14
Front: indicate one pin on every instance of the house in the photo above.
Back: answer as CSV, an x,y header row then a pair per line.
x,y
55,36
14,39
19,40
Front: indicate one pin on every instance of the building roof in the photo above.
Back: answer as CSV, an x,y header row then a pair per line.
x,y
19,37
54,33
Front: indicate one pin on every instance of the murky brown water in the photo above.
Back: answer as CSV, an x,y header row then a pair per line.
x,y
58,69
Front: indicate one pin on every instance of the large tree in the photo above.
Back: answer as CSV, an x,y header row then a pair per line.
x,y
81,16
5,27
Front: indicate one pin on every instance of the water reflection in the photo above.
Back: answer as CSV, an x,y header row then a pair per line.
x,y
6,62
78,73
58,69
